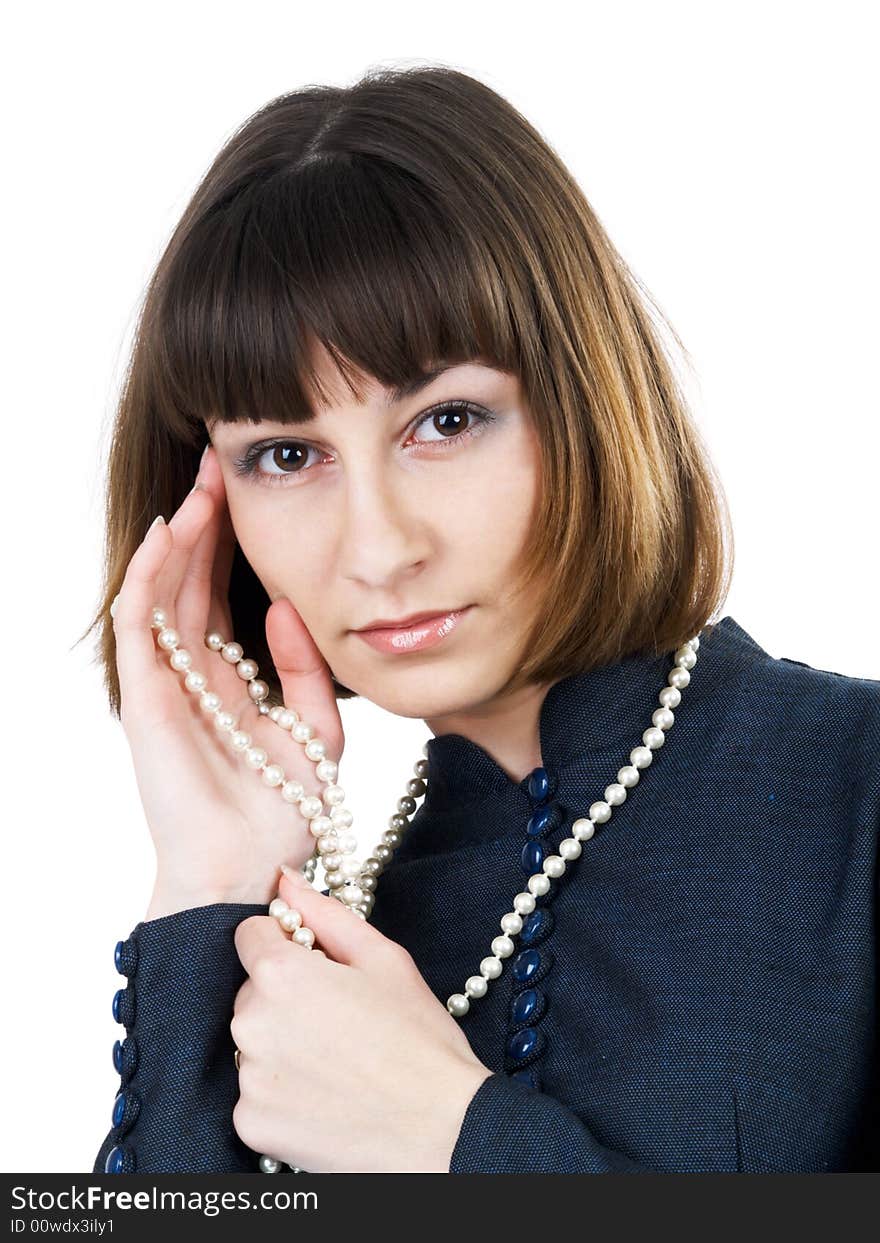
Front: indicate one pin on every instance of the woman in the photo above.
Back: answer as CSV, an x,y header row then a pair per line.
x,y
424,381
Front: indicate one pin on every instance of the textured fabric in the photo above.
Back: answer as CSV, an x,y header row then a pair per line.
x,y
178,1075
698,991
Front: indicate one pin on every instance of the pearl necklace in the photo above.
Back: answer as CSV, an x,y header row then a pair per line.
x,y
352,881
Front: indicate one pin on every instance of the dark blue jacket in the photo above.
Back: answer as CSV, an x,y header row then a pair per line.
x,y
697,993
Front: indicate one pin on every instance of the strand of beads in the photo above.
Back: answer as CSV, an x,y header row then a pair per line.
x,y
553,866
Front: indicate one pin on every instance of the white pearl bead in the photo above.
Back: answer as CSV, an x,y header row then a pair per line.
x,y
274,712
247,669
583,829
600,812
287,718
214,640
195,681
554,865
502,947
210,701
292,791
316,749
333,861
341,817
239,740
180,659
539,884
232,653
255,757
304,936
327,770
641,756
628,776
319,825
268,1165
311,806
491,967
569,848
168,638
347,842
524,903
277,907
349,866
290,920
352,894
328,844
679,678
302,732
663,718
615,794
457,1005
686,657
273,774
224,721
653,737
476,986
670,697
257,689
333,795
511,923
160,617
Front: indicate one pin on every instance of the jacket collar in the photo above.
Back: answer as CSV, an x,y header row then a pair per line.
x,y
599,714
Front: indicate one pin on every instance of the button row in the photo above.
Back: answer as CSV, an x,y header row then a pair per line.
x,y
126,1106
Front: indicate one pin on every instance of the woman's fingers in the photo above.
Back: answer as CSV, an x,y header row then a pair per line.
x,y
136,652
304,674
186,528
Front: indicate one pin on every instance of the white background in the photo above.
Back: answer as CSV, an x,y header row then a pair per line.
x,y
730,151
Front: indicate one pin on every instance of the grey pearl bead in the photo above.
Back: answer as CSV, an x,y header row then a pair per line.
x,y
407,805
415,787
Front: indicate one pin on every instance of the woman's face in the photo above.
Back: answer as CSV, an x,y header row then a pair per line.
x,y
391,508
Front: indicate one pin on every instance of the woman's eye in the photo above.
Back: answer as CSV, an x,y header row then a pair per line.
x,y
284,461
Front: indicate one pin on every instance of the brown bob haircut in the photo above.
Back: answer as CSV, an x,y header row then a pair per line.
x,y
410,218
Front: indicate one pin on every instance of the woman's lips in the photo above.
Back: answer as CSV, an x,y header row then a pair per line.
x,y
417,636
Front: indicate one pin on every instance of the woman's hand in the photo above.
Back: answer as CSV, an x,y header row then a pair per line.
x,y
220,832
348,1062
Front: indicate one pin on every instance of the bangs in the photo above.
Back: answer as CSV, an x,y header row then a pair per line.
x,y
353,254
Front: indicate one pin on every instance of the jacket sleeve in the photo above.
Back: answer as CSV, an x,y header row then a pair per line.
x,y
178,1082
509,1127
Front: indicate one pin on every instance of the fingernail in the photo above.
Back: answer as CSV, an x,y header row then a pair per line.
x,y
156,521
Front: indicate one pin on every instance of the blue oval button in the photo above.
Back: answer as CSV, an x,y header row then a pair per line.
x,y
536,926
115,1160
117,1056
117,1004
540,822
532,857
526,964
117,957
524,1005
539,785
119,1109
521,1044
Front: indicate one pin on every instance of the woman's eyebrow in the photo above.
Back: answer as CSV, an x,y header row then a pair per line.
x,y
411,387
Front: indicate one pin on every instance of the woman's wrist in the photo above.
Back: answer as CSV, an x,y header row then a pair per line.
x,y
169,898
